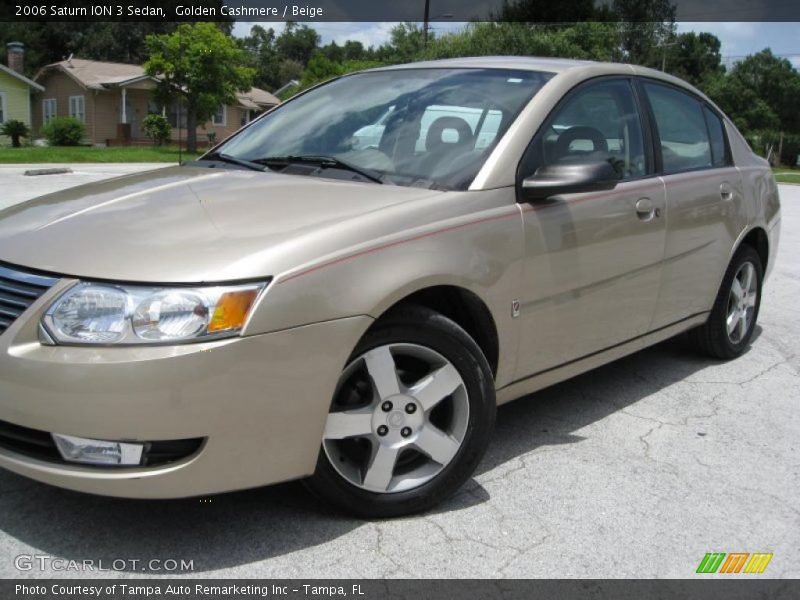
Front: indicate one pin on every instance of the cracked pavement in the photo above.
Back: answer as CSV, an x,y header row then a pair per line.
x,y
636,469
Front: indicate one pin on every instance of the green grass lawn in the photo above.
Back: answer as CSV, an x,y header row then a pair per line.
x,y
82,154
784,175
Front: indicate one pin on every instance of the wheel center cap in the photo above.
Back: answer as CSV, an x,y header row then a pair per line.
x,y
396,419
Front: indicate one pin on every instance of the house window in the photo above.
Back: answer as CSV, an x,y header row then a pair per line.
x,y
3,107
176,111
220,116
48,109
247,116
77,108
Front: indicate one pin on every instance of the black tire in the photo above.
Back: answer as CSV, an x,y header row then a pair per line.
x,y
424,327
712,338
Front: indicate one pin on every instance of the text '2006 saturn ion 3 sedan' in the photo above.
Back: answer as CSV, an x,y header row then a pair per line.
x,y
346,289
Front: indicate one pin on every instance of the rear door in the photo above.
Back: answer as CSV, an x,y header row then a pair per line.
x,y
593,260
704,212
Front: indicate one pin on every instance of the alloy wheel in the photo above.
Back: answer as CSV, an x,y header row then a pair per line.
x,y
399,417
741,302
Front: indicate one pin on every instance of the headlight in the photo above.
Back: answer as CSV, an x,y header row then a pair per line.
x,y
99,313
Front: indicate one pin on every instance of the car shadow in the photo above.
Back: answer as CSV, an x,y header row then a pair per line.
x,y
551,416
240,528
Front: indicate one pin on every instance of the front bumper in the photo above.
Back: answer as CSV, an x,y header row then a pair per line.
x,y
260,402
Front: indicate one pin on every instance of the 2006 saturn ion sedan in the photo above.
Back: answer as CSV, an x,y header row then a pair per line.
x,y
346,289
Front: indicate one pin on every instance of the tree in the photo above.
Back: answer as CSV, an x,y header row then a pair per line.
x,y
646,29
547,11
201,67
760,93
277,59
263,57
775,81
695,57
405,44
52,41
15,130
297,42
320,68
593,40
351,50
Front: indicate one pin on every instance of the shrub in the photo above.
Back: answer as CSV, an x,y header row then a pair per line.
x,y
64,131
157,128
15,130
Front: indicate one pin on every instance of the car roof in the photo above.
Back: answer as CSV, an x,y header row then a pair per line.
x,y
526,63
588,68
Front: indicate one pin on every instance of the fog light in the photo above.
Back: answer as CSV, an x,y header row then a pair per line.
x,y
97,452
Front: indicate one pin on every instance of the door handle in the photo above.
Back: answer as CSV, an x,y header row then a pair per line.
x,y
645,209
725,191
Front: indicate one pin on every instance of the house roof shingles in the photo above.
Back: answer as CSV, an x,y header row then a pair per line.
x,y
100,75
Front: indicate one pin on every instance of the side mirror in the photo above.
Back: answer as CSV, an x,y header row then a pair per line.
x,y
557,179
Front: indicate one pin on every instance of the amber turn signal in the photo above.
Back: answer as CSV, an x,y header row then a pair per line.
x,y
231,310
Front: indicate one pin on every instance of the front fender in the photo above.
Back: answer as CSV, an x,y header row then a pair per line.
x,y
480,252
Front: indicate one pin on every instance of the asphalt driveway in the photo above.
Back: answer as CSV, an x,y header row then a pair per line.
x,y
636,469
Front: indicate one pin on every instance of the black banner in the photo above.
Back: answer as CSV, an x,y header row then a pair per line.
x,y
734,588
388,10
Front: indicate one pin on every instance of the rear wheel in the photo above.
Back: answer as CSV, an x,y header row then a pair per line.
x,y
732,321
410,420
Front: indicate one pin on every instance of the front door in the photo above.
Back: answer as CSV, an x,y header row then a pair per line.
x,y
593,260
130,116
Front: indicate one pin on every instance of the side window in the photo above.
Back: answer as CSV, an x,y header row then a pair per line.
x,y
716,131
682,129
598,122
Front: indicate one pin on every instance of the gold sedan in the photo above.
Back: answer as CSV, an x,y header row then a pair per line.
x,y
346,289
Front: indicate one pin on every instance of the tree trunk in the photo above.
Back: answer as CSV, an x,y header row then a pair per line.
x,y
15,141
191,128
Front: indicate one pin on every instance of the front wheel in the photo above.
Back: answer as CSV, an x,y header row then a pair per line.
x,y
411,417
732,321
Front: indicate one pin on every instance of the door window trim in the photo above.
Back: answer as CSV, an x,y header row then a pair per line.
x,y
648,140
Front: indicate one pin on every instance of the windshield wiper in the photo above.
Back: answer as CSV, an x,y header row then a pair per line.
x,y
235,161
323,161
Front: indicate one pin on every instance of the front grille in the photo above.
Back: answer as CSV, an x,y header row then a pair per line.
x,y
40,444
18,290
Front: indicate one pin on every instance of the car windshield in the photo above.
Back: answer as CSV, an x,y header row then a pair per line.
x,y
415,127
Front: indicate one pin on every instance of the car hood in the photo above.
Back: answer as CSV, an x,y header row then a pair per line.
x,y
189,224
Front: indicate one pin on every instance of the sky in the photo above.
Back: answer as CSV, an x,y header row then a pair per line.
x,y
738,39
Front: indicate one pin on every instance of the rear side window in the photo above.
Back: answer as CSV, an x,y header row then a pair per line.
x,y
682,129
716,131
